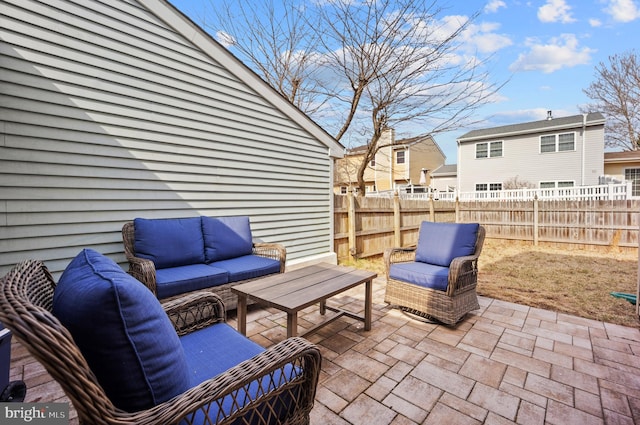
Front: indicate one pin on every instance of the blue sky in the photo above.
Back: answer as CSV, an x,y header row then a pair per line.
x,y
547,50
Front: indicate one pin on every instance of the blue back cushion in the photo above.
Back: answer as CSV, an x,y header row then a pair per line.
x,y
169,242
122,331
440,243
226,237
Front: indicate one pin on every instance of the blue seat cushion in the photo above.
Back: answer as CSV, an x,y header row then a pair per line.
x,y
169,242
228,348
421,274
440,243
248,267
226,237
122,331
181,279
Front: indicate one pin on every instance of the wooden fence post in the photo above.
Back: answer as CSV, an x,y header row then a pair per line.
x,y
457,209
432,212
535,220
351,222
397,239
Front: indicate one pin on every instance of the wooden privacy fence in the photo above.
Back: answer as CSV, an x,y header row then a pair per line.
x,y
366,226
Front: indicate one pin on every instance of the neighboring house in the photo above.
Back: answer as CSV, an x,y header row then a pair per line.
x,y
445,178
119,109
397,164
623,166
552,153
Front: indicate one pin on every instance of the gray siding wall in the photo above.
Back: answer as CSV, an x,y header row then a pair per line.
x,y
107,114
521,158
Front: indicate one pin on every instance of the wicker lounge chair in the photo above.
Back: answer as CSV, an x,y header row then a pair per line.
x,y
26,304
432,280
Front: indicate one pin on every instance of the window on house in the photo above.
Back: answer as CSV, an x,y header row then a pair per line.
x,y
633,175
482,150
558,142
483,187
400,157
548,144
566,142
373,162
489,149
556,184
495,149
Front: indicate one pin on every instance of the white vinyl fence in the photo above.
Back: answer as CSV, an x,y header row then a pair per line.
x,y
606,192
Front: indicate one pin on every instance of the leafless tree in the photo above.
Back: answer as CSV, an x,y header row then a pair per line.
x,y
616,93
277,39
360,67
517,183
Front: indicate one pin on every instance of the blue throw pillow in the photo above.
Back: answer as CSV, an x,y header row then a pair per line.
x,y
440,243
169,242
226,237
122,331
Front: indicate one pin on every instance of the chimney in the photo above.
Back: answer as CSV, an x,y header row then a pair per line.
x,y
549,116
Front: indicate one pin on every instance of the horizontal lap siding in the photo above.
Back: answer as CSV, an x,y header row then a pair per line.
x,y
107,115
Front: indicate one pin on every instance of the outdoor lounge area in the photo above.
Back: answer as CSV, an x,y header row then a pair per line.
x,y
504,363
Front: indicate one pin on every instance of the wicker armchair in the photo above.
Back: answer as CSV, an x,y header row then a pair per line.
x,y
25,308
145,271
446,305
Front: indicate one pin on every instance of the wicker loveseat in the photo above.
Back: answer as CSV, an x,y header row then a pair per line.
x,y
123,358
437,279
180,255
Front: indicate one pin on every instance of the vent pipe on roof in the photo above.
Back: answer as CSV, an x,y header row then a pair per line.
x,y
549,116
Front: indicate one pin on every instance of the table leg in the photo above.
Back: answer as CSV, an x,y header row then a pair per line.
x,y
368,302
242,314
292,324
323,307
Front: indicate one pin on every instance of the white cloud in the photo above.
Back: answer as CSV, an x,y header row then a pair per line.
x,y
595,22
482,37
560,52
555,11
494,5
225,39
623,10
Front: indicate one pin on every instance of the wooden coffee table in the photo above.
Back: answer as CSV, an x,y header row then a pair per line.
x,y
298,289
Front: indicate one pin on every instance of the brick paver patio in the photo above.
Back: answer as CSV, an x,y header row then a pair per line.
x,y
504,364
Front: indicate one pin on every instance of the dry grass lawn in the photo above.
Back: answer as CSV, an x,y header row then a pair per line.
x,y
562,279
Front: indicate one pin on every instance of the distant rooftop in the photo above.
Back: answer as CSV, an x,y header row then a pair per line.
x,y
550,124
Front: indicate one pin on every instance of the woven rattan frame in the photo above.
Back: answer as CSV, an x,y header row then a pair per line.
x,y
25,308
145,271
448,307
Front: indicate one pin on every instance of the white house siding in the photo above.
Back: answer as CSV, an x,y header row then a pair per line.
x,y
107,114
521,158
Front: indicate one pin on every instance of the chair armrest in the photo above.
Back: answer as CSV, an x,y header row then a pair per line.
x,y
195,311
145,271
463,274
274,251
297,352
398,255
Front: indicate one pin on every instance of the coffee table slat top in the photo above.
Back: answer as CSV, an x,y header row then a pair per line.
x,y
298,289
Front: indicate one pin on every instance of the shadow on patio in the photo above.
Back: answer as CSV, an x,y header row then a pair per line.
x,y
505,363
